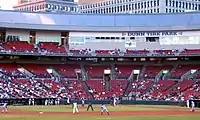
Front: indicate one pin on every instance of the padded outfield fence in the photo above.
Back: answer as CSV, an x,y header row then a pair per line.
x,y
123,102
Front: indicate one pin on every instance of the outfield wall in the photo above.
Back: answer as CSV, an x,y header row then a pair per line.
x,y
141,102
123,102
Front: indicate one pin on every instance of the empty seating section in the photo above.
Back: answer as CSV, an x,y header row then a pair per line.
x,y
95,71
19,46
68,71
181,86
194,90
161,87
38,70
182,69
152,71
97,87
52,47
118,87
190,52
173,90
77,89
11,70
124,71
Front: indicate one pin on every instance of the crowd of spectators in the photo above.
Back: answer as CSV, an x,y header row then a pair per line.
x,y
165,92
36,88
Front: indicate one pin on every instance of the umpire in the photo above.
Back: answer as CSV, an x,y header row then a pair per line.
x,y
90,106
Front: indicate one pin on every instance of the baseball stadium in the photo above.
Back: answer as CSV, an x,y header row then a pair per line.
x,y
99,67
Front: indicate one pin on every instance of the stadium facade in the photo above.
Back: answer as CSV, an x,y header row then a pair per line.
x,y
65,6
99,56
109,31
140,6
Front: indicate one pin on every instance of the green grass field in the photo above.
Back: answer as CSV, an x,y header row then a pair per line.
x,y
97,108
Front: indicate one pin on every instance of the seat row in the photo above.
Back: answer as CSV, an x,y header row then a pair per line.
x,y
74,89
55,47
97,71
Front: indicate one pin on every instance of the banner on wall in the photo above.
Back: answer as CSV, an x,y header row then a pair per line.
x,y
152,34
135,34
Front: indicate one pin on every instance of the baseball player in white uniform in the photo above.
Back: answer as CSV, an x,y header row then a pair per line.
x,y
46,102
193,106
75,108
4,107
68,101
29,101
83,102
188,103
115,101
104,109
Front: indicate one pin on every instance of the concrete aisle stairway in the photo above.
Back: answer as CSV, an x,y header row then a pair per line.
x,y
83,81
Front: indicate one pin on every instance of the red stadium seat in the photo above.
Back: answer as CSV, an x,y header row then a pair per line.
x,y
152,71
11,70
38,70
52,47
182,69
68,71
190,52
124,71
162,86
17,46
95,71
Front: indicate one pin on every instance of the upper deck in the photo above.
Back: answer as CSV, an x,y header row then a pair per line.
x,y
108,22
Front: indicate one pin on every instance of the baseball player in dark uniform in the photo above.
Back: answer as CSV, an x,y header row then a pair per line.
x,y
90,106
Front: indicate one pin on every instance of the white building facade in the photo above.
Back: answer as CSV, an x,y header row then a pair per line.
x,y
48,6
140,6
